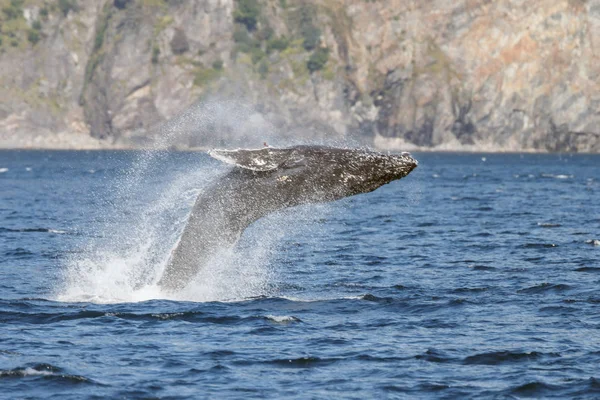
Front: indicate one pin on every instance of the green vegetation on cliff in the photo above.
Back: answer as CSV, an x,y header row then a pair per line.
x,y
318,59
247,13
305,18
66,6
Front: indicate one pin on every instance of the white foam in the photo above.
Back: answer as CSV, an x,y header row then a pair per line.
x,y
282,319
333,297
3,170
123,261
559,176
33,372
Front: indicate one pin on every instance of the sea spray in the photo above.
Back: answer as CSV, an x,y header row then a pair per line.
x,y
131,246
145,210
124,262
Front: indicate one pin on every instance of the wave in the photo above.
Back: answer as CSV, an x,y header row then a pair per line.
x,y
105,317
19,253
557,176
588,269
471,290
45,371
548,225
545,288
569,388
282,319
299,362
32,230
376,299
538,245
534,389
52,318
505,356
482,268
313,361
436,356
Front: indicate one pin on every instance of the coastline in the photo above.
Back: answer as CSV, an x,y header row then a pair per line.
x,y
71,141
205,149
102,145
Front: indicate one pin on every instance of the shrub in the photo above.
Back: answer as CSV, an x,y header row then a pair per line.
x,y
263,68
179,43
311,38
277,44
265,33
99,38
311,35
67,5
204,76
155,54
244,42
240,35
317,60
257,54
44,12
121,4
218,65
33,36
247,13
12,11
37,25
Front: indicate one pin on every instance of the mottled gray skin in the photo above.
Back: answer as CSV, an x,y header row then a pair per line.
x,y
267,180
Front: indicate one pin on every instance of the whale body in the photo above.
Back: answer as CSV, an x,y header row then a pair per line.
x,y
266,180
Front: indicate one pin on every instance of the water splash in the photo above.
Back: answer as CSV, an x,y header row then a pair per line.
x,y
147,208
125,258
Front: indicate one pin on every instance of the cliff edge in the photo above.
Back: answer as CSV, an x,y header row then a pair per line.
x,y
504,75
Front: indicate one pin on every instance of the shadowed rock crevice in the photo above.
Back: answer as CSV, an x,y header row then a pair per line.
x,y
95,97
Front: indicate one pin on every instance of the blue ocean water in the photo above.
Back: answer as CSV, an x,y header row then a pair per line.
x,y
476,276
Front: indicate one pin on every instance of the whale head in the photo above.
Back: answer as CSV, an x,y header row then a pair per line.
x,y
318,173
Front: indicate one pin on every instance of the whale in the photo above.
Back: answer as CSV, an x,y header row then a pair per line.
x,y
262,181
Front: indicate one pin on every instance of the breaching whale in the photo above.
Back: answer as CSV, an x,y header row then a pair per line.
x,y
266,180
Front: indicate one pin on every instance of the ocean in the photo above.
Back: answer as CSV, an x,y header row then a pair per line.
x,y
474,277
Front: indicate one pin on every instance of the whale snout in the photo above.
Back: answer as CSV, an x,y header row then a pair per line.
x,y
405,162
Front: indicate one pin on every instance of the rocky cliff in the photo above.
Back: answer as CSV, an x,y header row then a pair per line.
x,y
400,74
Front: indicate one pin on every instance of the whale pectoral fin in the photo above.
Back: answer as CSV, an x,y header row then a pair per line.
x,y
266,159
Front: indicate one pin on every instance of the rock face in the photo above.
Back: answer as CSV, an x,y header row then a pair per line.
x,y
504,75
